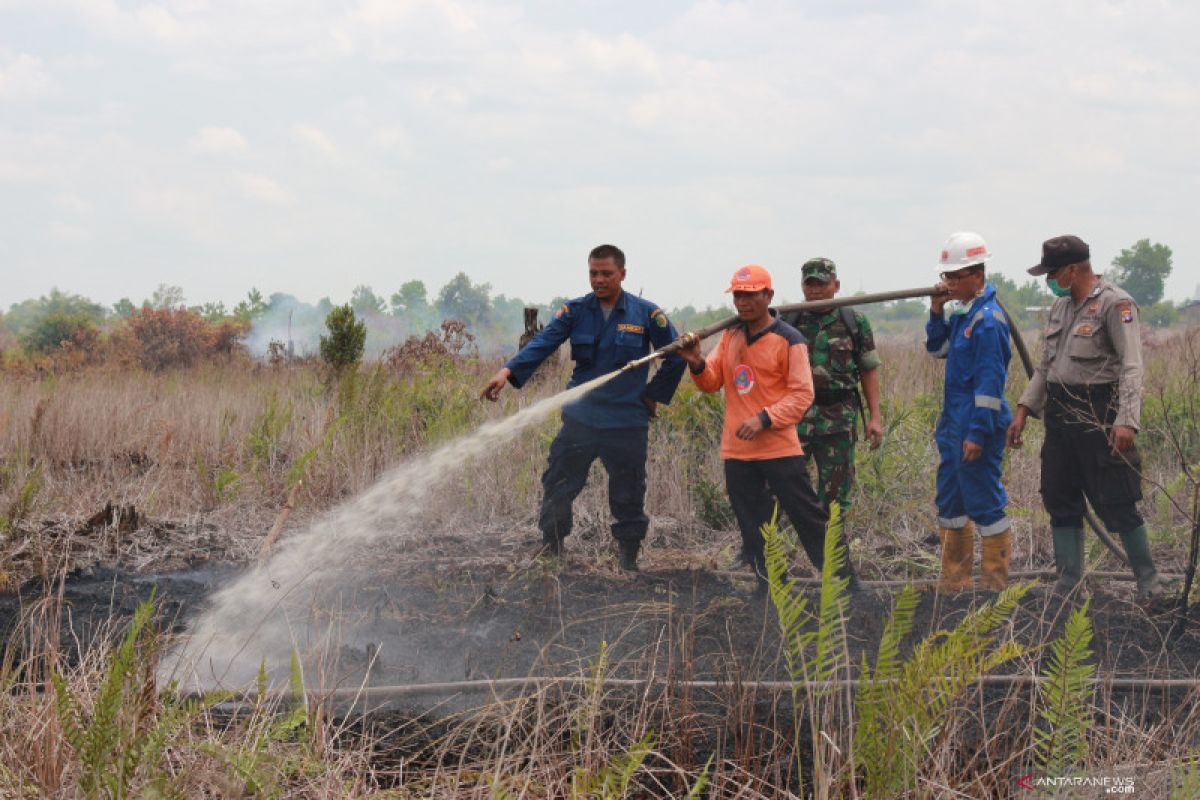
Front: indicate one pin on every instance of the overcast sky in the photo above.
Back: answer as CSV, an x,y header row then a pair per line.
x,y
308,146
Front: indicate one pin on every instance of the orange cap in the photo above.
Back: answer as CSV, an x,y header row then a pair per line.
x,y
750,278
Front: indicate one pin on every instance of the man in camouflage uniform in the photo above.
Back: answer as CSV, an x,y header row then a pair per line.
x,y
841,350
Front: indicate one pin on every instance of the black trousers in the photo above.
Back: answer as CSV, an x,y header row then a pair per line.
x,y
750,485
622,451
1077,460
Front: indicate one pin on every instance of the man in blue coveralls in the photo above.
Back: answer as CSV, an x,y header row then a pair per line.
x,y
607,329
975,416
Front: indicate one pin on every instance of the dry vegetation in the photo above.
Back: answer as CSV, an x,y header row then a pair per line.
x,y
158,469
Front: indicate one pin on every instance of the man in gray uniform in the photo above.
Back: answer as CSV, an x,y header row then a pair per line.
x,y
1089,386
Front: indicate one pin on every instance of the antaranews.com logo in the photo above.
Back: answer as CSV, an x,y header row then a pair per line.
x,y
1109,784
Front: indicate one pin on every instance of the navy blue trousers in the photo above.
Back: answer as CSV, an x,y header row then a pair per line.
x,y
622,451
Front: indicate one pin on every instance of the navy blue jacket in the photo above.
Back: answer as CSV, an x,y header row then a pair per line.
x,y
633,329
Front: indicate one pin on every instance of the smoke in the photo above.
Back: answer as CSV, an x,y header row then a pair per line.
x,y
288,319
303,598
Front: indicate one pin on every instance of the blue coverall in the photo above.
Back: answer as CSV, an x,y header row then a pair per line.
x,y
610,423
976,348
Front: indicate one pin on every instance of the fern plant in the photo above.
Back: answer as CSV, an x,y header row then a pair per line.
x,y
813,656
123,735
258,770
901,706
1060,739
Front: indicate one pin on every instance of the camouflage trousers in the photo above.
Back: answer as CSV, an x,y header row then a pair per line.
x,y
834,457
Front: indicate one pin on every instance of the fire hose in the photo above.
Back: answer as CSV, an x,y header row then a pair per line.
x,y
864,299
729,322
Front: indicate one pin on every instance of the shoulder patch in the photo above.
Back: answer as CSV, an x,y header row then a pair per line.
x,y
563,311
659,317
1125,309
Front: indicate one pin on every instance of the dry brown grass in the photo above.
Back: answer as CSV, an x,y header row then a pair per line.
x,y
208,457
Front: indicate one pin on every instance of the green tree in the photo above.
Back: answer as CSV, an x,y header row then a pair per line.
x,y
1142,270
364,301
412,298
343,347
460,299
212,312
166,297
1162,314
251,307
52,330
24,316
123,307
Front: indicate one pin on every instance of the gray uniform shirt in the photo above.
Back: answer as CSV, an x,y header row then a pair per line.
x,y
1097,341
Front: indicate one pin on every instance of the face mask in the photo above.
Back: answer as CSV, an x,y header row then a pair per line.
x,y
1058,291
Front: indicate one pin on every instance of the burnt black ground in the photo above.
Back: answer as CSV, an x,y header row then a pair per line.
x,y
456,624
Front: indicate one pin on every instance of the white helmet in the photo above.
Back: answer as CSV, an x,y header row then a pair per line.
x,y
964,249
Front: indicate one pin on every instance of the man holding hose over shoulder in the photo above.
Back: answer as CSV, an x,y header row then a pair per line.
x,y
762,364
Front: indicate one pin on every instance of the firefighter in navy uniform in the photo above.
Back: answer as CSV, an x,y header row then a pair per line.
x,y
1088,388
975,416
607,329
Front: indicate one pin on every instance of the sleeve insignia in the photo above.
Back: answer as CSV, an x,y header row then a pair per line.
x,y
1126,311
563,310
660,319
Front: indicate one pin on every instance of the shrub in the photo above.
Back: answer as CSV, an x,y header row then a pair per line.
x,y
162,338
54,330
343,347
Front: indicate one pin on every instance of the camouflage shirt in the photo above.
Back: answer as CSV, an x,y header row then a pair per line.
x,y
836,369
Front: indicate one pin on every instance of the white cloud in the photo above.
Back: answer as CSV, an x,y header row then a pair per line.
x,y
24,78
316,139
68,232
218,141
262,188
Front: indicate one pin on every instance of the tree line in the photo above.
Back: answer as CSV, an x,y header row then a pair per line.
x,y
44,324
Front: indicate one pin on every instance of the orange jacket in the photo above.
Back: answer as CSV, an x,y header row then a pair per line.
x,y
766,374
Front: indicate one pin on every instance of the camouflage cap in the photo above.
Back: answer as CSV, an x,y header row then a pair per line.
x,y
823,269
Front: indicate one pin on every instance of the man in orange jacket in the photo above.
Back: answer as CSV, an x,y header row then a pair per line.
x,y
762,363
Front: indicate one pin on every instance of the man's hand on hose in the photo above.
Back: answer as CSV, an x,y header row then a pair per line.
x,y
492,390
689,350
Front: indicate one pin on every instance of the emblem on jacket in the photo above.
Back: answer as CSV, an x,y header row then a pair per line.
x,y
743,378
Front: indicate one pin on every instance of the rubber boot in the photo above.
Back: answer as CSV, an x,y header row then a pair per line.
x,y
629,555
550,547
1137,547
1068,558
958,552
997,550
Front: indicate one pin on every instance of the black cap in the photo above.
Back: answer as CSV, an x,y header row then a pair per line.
x,y
1060,252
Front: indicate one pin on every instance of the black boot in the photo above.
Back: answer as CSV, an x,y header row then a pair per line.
x,y
551,547
629,555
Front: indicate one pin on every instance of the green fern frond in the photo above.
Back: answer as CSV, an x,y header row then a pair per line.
x,y
835,600
697,790
1060,742
791,607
